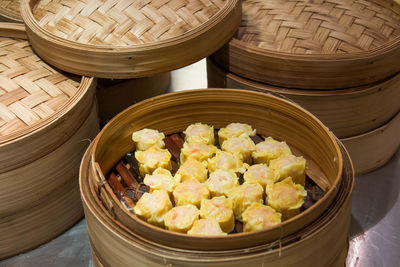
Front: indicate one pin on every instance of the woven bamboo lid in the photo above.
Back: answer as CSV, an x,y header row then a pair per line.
x,y
40,106
316,44
9,11
128,39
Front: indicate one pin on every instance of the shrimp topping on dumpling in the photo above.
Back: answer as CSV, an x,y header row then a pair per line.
x,y
221,182
147,138
193,169
270,149
161,179
181,218
198,151
152,207
243,196
206,227
259,217
190,192
226,161
262,174
242,146
292,166
235,129
153,158
220,209
199,133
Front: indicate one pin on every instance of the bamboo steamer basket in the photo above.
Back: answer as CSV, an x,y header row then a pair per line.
x,y
346,112
373,149
128,92
128,39
9,11
45,117
324,242
172,113
315,44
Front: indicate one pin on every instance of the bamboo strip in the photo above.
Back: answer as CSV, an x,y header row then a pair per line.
x,y
129,39
324,242
315,45
9,11
373,149
269,115
346,112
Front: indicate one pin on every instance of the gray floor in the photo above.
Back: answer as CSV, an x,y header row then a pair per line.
x,y
375,236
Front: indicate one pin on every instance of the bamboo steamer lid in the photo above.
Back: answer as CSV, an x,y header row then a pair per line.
x,y
172,113
315,44
114,244
373,149
346,112
45,116
9,11
128,39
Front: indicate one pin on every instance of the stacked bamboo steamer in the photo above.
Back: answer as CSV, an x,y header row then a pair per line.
x,y
9,11
117,236
47,119
338,59
128,39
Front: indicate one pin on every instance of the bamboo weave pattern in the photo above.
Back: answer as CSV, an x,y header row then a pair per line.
x,y
123,22
10,5
30,90
317,26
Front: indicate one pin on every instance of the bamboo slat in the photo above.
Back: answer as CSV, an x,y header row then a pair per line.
x,y
10,11
323,243
373,149
172,113
46,118
346,112
127,92
315,44
128,39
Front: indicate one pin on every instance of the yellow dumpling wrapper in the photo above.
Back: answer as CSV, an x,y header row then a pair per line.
x,y
235,129
270,149
198,151
262,174
161,179
221,182
226,161
181,219
190,192
206,227
220,209
200,133
292,166
242,146
153,158
193,169
243,196
147,138
259,217
152,207
286,197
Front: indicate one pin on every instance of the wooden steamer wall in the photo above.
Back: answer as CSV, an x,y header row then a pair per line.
x,y
339,59
47,119
117,236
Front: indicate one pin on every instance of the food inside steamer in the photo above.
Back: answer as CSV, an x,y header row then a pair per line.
x,y
209,175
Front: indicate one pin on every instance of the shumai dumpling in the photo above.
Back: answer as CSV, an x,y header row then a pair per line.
x,y
270,149
243,196
242,146
292,166
193,169
262,174
198,151
221,182
161,179
206,227
235,129
259,217
190,192
181,219
286,197
219,209
153,158
147,138
152,207
200,133
226,161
